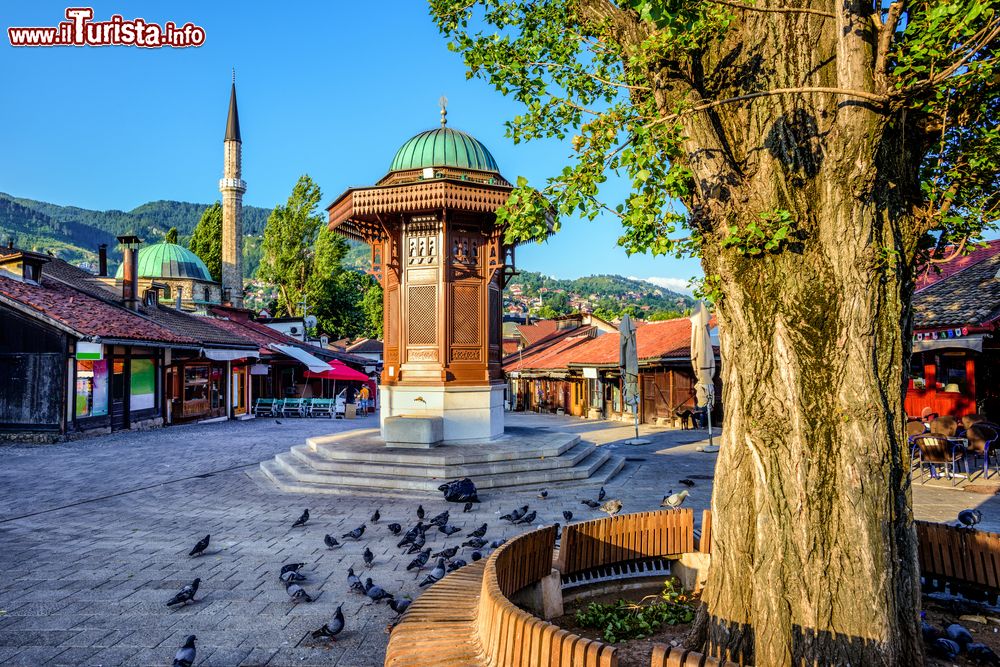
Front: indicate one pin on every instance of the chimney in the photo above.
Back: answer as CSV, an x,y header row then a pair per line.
x,y
130,271
102,260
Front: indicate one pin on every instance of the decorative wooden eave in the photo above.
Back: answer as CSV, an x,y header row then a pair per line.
x,y
358,212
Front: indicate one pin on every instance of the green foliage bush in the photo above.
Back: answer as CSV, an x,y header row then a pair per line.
x,y
636,620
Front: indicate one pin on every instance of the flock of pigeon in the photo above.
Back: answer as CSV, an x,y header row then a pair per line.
x,y
412,543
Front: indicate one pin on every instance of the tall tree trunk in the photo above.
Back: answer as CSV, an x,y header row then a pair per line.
x,y
814,550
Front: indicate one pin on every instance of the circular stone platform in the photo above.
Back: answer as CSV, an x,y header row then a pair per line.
x,y
360,462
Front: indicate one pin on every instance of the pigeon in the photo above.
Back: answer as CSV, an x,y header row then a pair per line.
x,y
441,519
476,555
291,567
516,514
591,504
449,530
496,544
945,648
411,534
455,564
395,528
567,515
301,521
436,574
468,507
475,543
958,634
674,500
376,593
297,593
420,560
417,545
527,518
185,654
331,629
291,577
478,532
543,494
199,548
448,553
376,516
399,606
368,556
420,511
982,654
602,494
353,582
185,594
331,541
355,534
612,507
687,482
970,518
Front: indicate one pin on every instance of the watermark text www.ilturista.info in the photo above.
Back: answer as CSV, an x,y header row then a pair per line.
x,y
81,30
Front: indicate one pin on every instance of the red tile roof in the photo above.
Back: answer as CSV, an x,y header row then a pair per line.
x,y
656,340
938,272
532,333
85,314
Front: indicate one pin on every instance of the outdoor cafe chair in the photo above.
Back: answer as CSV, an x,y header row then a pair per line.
x,y
938,450
264,407
292,407
321,407
981,439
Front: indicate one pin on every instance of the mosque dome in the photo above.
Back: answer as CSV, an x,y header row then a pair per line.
x,y
444,147
169,260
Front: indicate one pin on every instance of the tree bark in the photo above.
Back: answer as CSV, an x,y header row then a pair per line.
x,y
814,551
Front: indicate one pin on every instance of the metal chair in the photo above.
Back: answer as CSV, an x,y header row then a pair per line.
x,y
981,438
937,449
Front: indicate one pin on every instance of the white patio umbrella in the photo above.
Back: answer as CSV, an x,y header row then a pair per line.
x,y
628,362
703,362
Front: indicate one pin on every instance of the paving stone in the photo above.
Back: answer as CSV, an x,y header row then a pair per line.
x,y
98,573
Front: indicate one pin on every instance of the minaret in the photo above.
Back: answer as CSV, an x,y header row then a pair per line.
x,y
232,188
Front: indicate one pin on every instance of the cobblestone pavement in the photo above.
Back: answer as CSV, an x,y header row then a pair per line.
x,y
94,538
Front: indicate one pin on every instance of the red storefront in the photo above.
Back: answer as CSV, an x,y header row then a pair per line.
x,y
955,367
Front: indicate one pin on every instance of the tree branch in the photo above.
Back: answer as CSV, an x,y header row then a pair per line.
x,y
958,251
885,35
780,10
874,97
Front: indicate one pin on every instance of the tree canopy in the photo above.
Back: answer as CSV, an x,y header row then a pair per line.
x,y
206,240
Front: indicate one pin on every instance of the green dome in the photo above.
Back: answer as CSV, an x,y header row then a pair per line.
x,y
444,147
169,260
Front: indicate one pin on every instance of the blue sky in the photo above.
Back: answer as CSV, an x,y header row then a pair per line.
x,y
331,89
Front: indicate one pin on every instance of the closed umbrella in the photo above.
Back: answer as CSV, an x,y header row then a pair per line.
x,y
628,361
703,362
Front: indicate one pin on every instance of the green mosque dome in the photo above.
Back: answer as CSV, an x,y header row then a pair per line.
x,y
444,147
169,260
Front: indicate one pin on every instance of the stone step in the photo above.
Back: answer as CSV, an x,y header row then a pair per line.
x,y
366,446
452,470
301,471
286,481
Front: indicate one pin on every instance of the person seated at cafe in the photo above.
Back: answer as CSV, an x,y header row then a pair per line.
x,y
969,420
946,426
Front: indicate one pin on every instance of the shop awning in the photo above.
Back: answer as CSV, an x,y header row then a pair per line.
x,y
337,370
313,363
969,342
227,354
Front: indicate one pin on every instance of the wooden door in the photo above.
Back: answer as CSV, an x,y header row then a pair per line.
x,y
119,394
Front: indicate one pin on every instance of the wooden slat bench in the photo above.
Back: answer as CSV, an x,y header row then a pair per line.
x,y
625,537
439,626
665,656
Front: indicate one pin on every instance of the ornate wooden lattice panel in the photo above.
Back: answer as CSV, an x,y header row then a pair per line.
x,y
465,313
421,315
391,322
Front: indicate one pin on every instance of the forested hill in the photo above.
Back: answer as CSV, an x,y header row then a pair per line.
x,y
74,233
605,294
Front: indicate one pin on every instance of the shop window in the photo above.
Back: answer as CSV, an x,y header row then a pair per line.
x,y
595,393
142,385
917,375
951,372
91,388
